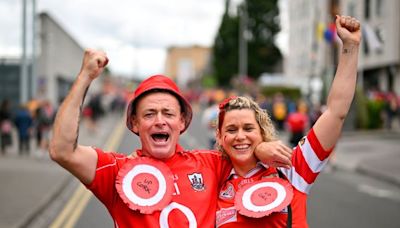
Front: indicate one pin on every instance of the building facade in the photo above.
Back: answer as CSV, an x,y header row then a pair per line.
x,y
313,47
185,64
58,62
380,54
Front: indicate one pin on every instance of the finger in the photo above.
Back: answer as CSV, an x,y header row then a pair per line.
x,y
342,21
88,50
277,164
282,159
355,24
285,155
102,61
106,62
338,21
350,23
286,151
358,25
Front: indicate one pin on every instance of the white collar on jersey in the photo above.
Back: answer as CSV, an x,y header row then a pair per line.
x,y
251,172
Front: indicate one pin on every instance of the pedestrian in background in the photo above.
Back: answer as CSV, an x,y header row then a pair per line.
x,y
392,110
44,122
297,123
209,120
279,111
23,122
5,126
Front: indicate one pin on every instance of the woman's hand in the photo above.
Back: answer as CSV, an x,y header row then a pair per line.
x,y
348,29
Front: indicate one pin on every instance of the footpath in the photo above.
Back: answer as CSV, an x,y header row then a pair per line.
x,y
30,184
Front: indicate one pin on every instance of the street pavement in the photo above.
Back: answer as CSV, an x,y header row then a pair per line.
x,y
373,153
29,184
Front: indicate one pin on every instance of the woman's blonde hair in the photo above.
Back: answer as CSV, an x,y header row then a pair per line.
x,y
268,132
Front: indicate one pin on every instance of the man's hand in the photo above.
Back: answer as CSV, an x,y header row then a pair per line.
x,y
348,29
275,154
93,63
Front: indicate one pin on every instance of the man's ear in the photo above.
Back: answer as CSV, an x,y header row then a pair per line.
x,y
182,122
134,123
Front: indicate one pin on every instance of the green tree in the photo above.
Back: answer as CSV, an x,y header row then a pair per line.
x,y
262,27
225,51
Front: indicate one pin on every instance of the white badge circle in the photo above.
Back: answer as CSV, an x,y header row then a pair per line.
x,y
246,198
139,169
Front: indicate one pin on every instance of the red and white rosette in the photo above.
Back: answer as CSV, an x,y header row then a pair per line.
x,y
145,184
261,198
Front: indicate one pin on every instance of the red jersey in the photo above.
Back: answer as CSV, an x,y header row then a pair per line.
x,y
308,159
192,204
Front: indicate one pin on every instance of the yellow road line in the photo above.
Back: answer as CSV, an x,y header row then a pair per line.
x,y
68,208
116,137
79,200
76,214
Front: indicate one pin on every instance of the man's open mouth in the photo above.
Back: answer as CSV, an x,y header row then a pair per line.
x,y
160,137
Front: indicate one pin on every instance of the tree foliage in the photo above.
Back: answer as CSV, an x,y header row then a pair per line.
x,y
262,27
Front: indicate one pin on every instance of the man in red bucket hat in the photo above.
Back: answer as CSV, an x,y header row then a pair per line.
x,y
163,185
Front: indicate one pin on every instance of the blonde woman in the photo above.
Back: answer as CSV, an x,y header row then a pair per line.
x,y
243,125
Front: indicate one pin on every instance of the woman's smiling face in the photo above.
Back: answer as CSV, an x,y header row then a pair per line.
x,y
239,136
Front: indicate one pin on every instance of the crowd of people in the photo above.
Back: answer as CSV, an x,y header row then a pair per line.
x,y
28,127
31,121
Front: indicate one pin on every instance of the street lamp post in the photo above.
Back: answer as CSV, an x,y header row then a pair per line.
x,y
243,18
33,75
24,65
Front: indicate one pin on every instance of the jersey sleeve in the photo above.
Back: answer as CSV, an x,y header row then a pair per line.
x,y
102,185
308,159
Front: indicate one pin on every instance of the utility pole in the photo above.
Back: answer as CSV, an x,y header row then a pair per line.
x,y
34,76
24,65
243,18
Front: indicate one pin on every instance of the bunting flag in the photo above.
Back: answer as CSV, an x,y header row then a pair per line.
x,y
320,31
330,33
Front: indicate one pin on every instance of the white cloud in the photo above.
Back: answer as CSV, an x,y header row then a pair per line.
x,y
134,33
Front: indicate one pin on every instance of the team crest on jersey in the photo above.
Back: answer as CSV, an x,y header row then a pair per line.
x,y
197,181
228,192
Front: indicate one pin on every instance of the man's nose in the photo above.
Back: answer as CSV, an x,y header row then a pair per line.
x,y
160,119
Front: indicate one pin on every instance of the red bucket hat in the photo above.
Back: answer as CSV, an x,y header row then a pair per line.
x,y
163,83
